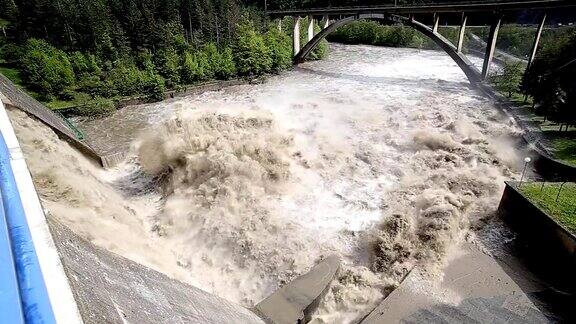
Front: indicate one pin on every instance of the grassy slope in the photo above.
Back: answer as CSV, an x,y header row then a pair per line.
x,y
564,211
11,73
565,150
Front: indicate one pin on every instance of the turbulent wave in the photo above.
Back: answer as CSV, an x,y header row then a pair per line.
x,y
242,199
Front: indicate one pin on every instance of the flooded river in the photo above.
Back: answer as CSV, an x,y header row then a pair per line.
x,y
383,156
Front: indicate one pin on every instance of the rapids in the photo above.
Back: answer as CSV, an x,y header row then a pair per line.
x,y
384,156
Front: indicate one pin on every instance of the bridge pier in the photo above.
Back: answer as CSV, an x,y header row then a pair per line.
x,y
436,23
296,36
462,33
536,41
280,25
326,20
310,27
490,47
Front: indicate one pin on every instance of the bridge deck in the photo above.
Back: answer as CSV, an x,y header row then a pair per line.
x,y
430,8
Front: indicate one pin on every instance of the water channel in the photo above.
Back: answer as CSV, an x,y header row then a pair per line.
x,y
384,156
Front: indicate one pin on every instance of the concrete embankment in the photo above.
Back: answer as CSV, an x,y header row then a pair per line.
x,y
531,221
112,289
474,289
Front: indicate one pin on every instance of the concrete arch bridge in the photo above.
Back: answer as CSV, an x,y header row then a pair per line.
x,y
491,13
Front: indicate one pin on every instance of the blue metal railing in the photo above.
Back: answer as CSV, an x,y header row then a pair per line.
x,y
30,291
10,303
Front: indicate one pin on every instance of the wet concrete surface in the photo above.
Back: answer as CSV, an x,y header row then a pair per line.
x,y
111,289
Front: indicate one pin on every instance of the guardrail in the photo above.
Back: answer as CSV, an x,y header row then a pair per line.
x,y
33,286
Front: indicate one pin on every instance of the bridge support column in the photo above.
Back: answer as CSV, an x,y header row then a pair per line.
x,y
490,47
280,25
536,41
462,33
436,22
326,20
310,27
296,36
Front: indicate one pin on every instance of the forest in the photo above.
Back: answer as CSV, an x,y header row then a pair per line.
x,y
91,52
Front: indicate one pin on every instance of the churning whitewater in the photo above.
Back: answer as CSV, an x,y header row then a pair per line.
x,y
382,156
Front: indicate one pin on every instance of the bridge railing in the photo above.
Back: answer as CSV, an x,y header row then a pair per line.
x,y
33,286
440,6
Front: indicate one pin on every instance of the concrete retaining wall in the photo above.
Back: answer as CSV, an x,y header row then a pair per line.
x,y
533,223
42,285
111,289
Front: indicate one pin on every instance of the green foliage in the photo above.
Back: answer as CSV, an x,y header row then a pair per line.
x,y
508,80
226,68
168,65
373,33
550,79
191,68
154,88
251,55
280,49
96,107
212,59
46,69
321,50
84,64
565,149
144,61
126,80
10,53
100,48
452,34
516,40
92,85
12,74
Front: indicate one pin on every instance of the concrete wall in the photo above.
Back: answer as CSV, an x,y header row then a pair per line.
x,y
43,287
536,226
111,289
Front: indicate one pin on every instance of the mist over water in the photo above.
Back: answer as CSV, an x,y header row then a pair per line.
x,y
383,156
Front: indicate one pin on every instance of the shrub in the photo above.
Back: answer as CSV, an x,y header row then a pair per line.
x,y
45,69
191,70
373,33
127,79
219,64
144,61
93,86
67,94
399,36
251,56
168,65
210,60
11,53
154,88
508,80
96,107
280,49
226,68
359,32
83,64
321,50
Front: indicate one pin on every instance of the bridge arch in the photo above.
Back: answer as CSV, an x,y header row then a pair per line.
x,y
461,60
